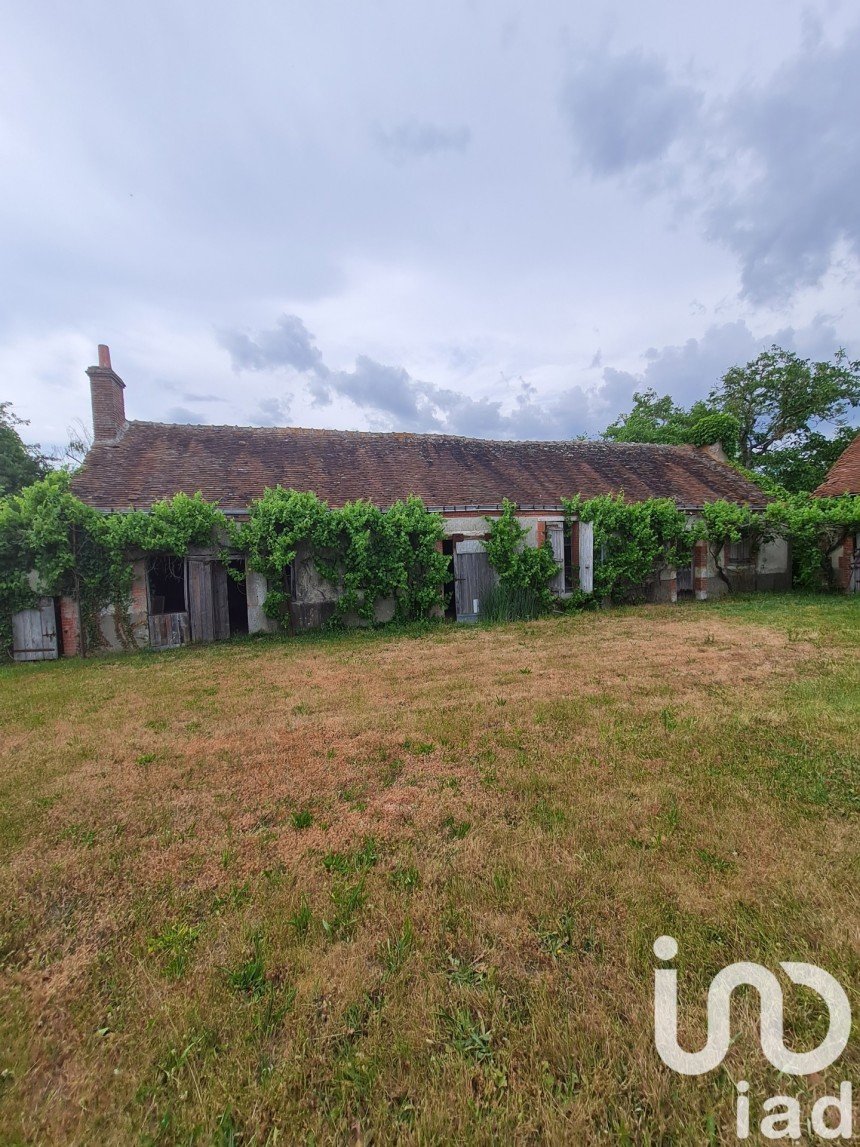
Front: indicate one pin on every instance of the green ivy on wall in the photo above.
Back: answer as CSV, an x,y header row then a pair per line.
x,y
520,567
633,541
366,554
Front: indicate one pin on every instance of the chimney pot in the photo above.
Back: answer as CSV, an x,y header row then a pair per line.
x,y
104,356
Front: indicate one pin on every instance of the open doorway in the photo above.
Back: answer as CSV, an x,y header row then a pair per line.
x,y
237,598
450,585
166,577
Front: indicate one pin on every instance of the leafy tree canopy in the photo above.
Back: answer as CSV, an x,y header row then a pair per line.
x,y
780,399
767,415
20,465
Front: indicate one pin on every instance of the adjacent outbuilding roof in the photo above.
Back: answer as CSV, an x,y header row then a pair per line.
x,y
843,477
233,465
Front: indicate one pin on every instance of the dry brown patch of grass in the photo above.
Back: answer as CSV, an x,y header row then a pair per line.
x,y
450,855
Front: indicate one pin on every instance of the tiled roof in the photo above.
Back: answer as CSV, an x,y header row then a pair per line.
x,y
843,477
233,465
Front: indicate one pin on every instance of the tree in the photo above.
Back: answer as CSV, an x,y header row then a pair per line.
x,y
20,465
801,468
662,420
779,400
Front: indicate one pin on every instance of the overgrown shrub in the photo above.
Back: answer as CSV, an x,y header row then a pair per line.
x,y
366,554
633,541
520,567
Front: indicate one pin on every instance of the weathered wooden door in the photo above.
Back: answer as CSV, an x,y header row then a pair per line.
x,y
34,633
473,579
201,608
207,600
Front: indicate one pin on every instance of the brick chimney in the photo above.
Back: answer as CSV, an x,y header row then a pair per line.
x,y
106,391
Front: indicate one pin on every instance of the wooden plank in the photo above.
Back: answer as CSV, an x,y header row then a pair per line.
x,y
221,608
34,633
586,557
200,602
168,630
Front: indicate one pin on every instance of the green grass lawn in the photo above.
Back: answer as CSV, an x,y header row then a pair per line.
x,y
385,886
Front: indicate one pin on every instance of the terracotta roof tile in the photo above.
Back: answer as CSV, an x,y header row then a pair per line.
x,y
233,465
843,477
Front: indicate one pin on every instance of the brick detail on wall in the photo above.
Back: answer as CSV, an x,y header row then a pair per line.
x,y
70,627
845,562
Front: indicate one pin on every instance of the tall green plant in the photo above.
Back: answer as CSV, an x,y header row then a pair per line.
x,y
519,566
633,541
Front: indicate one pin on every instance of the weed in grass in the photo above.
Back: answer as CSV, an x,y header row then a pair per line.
x,y
228,1130
717,863
236,897
456,829
228,858
344,863
468,1035
670,721
405,878
395,950
249,977
77,834
557,938
548,817
354,797
465,973
275,1005
175,943
390,772
302,818
418,748
301,919
147,758
452,783
501,879
347,900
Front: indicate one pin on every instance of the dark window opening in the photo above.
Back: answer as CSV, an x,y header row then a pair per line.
x,y
739,553
166,578
449,586
237,598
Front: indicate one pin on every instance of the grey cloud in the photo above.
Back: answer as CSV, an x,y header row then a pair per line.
x,y
271,412
191,397
392,399
413,139
289,343
625,111
689,370
185,416
771,171
799,134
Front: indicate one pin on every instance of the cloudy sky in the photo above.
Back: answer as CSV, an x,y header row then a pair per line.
x,y
477,216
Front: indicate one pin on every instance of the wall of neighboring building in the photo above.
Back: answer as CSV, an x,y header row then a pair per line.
x,y
845,561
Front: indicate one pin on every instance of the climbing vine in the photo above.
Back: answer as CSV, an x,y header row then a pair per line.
x,y
633,541
365,554
52,544
520,567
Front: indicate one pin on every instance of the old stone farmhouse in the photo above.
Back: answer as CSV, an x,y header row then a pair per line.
x,y
133,464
